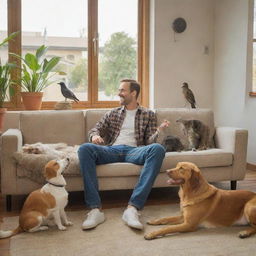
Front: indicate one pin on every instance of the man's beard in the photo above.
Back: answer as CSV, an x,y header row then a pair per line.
x,y
124,102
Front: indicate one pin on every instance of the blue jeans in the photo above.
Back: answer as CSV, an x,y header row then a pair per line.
x,y
90,155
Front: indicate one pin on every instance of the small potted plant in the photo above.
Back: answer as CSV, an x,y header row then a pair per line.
x,y
36,74
5,80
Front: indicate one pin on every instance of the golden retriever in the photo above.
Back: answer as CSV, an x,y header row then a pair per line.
x,y
204,204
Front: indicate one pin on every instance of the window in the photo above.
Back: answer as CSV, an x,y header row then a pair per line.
x,y
64,32
3,31
254,53
117,32
100,42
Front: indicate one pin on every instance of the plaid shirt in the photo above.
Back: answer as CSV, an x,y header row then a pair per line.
x,y
110,125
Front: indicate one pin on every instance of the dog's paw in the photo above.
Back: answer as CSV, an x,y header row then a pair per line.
x,y
62,228
152,222
157,222
149,236
243,234
68,223
43,228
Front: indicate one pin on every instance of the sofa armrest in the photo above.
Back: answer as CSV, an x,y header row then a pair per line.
x,y
234,140
11,141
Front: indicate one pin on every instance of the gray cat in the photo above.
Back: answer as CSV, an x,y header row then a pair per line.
x,y
172,143
197,133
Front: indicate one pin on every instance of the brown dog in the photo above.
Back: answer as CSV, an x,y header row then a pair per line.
x,y
202,203
45,204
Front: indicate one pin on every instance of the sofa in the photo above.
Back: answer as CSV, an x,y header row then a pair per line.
x,y
224,161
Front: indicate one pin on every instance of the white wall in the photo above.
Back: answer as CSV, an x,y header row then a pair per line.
x,y
220,80
232,69
180,57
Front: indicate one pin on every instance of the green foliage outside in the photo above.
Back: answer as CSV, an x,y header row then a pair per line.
x,y
117,60
78,76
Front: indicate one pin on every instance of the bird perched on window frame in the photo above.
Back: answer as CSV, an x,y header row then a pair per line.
x,y
67,93
189,95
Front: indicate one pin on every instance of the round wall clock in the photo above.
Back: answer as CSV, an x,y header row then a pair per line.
x,y
179,25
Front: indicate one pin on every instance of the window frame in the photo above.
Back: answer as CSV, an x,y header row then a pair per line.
x,y
252,93
15,46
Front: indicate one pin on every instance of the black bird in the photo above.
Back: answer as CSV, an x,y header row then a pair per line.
x,y
188,94
68,94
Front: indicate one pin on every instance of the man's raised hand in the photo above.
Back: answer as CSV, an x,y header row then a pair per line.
x,y
96,139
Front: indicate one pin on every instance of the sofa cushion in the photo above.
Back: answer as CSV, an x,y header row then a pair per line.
x,y
11,120
53,127
204,115
205,158
92,117
31,165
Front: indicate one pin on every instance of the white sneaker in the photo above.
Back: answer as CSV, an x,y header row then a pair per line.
x,y
131,218
94,218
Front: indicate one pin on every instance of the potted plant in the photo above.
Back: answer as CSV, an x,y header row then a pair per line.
x,y
5,80
36,74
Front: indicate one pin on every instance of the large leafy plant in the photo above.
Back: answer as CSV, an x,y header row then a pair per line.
x,y
5,74
37,71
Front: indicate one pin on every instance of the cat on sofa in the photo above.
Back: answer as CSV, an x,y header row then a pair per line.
x,y
172,144
197,133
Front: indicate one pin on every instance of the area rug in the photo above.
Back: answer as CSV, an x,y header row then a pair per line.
x,y
113,238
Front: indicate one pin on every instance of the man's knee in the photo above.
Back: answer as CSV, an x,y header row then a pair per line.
x,y
158,149
85,149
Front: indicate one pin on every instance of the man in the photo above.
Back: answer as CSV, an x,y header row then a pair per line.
x,y
124,134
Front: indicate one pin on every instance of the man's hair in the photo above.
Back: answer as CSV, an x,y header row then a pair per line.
x,y
134,86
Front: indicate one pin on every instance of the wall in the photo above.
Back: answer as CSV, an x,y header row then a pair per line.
x,y
220,80
175,58
232,68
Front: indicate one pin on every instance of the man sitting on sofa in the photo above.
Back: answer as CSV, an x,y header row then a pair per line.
x,y
124,134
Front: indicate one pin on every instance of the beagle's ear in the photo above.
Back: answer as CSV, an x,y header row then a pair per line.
x,y
195,180
49,173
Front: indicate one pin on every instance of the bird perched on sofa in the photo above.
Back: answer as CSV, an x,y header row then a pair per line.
x,y
189,95
67,93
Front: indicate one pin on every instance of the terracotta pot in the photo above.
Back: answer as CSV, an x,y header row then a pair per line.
x,y
2,113
32,100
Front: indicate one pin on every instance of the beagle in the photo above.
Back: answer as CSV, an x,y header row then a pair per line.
x,y
45,204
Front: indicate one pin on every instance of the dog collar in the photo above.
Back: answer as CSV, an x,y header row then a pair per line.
x,y
56,185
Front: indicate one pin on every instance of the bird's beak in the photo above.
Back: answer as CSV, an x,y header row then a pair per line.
x,y
58,83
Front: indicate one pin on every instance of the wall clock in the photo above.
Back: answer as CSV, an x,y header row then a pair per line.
x,y
179,25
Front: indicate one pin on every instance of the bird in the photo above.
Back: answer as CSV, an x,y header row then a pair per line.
x,y
68,94
189,95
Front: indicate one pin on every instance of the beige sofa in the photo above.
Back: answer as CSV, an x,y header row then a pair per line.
x,y
226,161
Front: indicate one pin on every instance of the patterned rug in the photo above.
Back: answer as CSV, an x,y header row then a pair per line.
x,y
113,238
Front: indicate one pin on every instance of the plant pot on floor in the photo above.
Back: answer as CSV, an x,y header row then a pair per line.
x,y
32,100
2,113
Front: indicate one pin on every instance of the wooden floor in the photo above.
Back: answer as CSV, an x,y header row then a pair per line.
x,y
112,199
